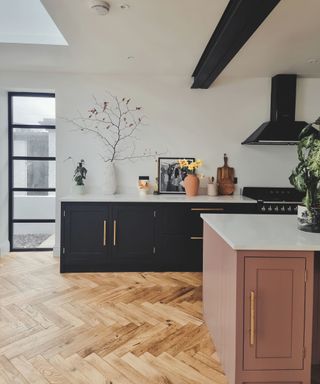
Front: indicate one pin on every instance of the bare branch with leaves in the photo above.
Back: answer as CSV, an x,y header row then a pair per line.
x,y
115,123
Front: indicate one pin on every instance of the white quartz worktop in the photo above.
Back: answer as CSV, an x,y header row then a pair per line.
x,y
262,232
135,198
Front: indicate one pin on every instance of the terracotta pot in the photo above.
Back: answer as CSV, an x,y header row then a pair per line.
x,y
191,185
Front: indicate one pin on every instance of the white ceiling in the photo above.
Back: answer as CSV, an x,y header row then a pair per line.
x,y
283,43
27,22
167,37
163,36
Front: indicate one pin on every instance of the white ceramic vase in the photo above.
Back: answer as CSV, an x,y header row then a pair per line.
x,y
78,189
110,182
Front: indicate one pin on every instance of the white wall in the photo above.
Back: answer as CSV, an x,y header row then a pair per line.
x,y
181,122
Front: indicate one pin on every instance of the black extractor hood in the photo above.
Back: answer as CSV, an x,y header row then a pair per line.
x,y
282,128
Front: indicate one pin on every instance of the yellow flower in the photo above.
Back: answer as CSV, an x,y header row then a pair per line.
x,y
190,166
183,163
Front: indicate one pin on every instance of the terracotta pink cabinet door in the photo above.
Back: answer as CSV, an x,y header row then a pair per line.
x,y
276,382
274,309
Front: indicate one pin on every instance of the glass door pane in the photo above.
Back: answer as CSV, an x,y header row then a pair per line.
x,y
33,235
32,110
35,205
34,142
34,174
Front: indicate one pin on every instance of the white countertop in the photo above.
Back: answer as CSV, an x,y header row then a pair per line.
x,y
262,232
157,198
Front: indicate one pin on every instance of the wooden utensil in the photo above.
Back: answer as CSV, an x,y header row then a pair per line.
x,y
225,178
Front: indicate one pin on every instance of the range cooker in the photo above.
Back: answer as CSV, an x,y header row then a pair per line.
x,y
275,200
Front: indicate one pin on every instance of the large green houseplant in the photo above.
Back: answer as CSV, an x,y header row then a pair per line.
x,y
306,176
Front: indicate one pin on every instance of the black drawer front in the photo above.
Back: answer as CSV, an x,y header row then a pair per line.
x,y
196,223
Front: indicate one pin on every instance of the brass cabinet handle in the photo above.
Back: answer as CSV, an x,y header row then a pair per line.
x,y
252,317
208,209
104,233
114,232
196,238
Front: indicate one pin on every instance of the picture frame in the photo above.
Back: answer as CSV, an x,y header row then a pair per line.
x,y
170,176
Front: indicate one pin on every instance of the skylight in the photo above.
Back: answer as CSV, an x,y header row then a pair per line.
x,y
28,22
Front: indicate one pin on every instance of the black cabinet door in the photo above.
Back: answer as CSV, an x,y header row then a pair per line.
x,y
85,236
173,236
133,240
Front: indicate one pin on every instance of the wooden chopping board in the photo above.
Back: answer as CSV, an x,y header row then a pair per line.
x,y
225,178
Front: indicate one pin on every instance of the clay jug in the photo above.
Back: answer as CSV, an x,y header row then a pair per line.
x,y
191,185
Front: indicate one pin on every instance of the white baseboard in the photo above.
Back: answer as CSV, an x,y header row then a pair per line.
x,y
4,248
56,251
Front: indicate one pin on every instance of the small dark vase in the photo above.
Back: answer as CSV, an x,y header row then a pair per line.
x,y
309,221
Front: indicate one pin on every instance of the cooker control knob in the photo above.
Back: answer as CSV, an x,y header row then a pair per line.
x,y
276,208
283,209
263,208
270,208
289,208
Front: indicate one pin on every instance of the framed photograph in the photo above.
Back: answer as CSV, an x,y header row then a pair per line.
x,y
170,176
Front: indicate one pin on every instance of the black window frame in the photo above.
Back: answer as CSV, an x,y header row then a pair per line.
x,y
12,158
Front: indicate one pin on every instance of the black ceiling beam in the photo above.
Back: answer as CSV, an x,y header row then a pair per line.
x,y
239,21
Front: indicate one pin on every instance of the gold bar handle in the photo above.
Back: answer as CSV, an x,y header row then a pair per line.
x,y
114,232
208,209
196,238
252,317
104,233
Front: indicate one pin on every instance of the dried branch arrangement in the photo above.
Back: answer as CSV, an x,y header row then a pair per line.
x,y
115,122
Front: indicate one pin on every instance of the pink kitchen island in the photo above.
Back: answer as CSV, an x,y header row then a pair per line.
x,y
261,298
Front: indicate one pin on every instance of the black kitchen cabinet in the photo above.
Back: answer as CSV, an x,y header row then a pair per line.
x,y
133,241
173,240
85,230
136,236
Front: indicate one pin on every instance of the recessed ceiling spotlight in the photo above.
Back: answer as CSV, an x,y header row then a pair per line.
x,y
313,61
101,7
124,6
130,57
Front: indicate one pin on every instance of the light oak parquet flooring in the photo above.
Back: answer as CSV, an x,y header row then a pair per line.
x,y
101,328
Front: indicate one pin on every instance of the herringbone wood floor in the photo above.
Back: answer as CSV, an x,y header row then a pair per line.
x,y
102,328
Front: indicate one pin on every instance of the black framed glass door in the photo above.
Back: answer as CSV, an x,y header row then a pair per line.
x,y
32,165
